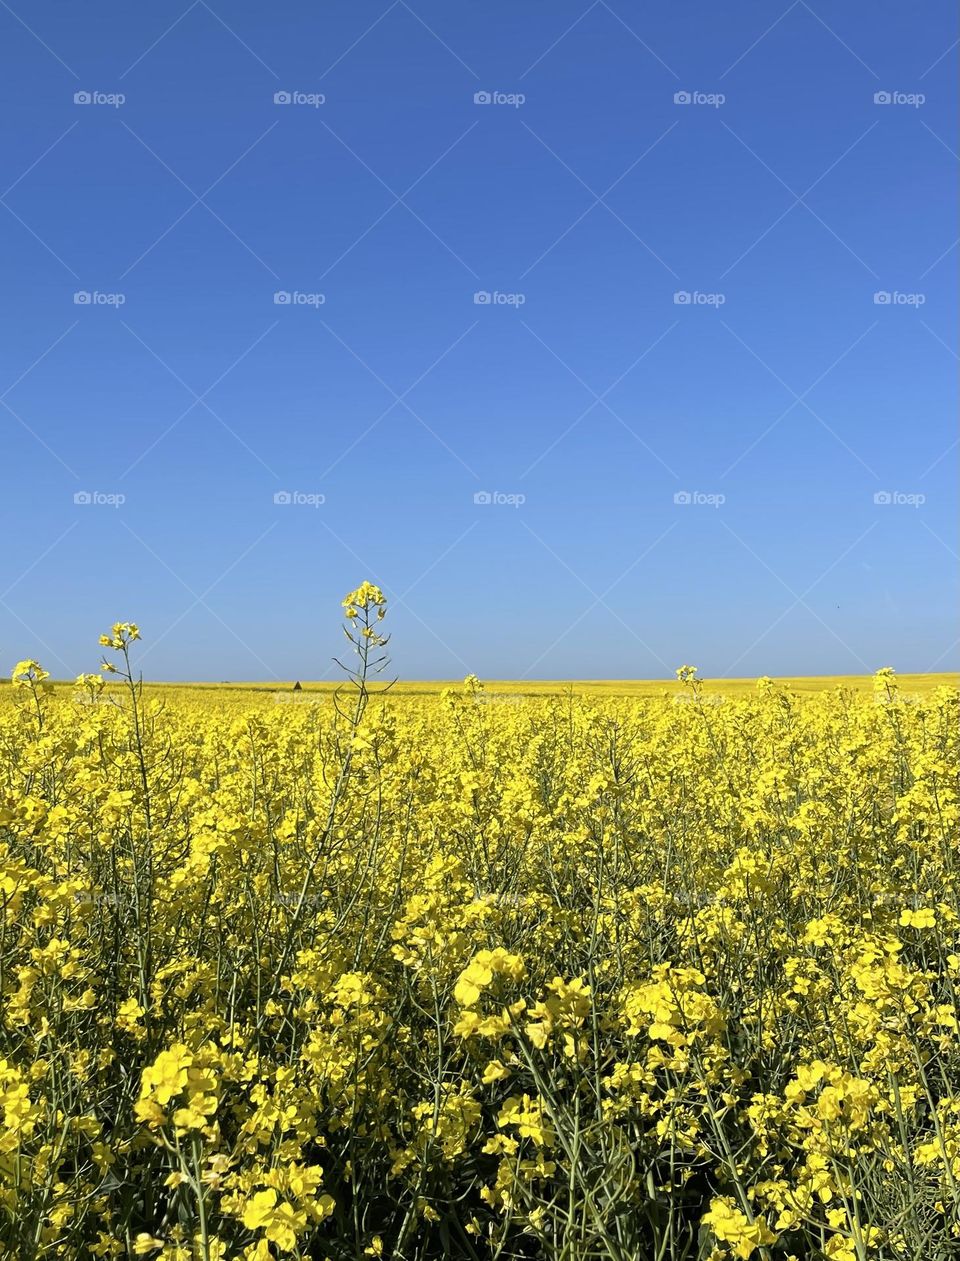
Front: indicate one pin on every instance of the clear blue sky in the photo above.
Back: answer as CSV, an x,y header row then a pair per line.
x,y
797,398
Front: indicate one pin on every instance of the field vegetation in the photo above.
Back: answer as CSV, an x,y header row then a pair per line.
x,y
613,971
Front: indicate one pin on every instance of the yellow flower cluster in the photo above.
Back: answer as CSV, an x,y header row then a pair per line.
x,y
419,976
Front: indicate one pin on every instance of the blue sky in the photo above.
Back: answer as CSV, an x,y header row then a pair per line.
x,y
703,435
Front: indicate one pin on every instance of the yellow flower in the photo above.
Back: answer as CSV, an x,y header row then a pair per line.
x,y
494,1071
923,917
259,1209
366,596
167,1076
732,1227
145,1244
26,673
479,973
280,1222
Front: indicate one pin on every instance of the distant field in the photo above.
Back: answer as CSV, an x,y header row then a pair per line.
x,y
862,683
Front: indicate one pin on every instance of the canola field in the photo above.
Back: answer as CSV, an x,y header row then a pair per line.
x,y
477,973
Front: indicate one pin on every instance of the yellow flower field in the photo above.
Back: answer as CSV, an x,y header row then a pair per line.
x,y
480,973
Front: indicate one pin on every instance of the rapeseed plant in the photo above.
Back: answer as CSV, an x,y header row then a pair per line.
x,y
405,976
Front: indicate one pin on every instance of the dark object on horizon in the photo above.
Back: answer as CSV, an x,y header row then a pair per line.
x,y
297,687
